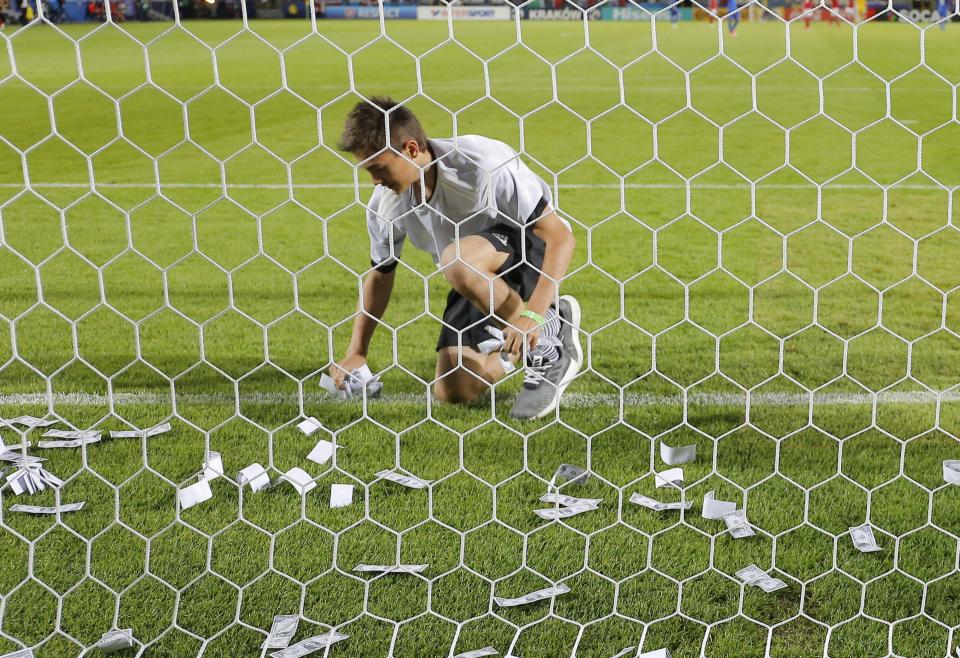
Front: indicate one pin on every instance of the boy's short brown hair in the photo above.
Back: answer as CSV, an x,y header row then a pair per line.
x,y
365,133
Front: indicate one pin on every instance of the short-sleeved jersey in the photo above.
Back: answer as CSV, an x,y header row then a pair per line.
x,y
481,182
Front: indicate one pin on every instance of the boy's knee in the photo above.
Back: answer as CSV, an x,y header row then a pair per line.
x,y
457,391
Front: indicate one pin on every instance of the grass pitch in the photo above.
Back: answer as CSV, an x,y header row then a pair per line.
x,y
172,251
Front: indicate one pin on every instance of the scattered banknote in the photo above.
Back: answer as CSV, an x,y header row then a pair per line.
x,y
629,651
495,344
27,421
659,653
38,509
71,443
116,640
255,475
863,539
300,479
31,478
569,501
532,597
478,653
135,434
354,384
322,452
391,568
13,454
569,473
310,645
754,575
669,478
553,514
675,456
195,494
404,480
213,467
341,495
716,509
738,525
656,505
23,653
951,471
309,426
73,434
282,630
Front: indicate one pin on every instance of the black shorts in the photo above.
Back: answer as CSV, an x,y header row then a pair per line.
x,y
465,324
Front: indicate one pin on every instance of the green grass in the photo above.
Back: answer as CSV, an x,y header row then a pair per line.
x,y
833,274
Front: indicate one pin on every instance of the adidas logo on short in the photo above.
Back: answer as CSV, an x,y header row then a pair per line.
x,y
501,238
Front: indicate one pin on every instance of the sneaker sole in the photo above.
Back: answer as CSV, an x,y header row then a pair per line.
x,y
574,363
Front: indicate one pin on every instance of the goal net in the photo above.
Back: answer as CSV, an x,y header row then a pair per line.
x,y
759,457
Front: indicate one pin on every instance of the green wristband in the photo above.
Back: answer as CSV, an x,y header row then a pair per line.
x,y
533,315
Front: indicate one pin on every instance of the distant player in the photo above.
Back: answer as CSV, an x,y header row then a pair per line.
x,y
733,17
834,14
487,222
674,15
807,13
712,10
852,11
942,11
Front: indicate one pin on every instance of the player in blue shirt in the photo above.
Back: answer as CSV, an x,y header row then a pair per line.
x,y
942,10
733,17
674,14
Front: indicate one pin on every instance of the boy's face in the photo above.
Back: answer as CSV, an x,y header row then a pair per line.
x,y
397,172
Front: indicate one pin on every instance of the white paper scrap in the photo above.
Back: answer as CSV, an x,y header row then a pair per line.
x,y
38,509
300,479
213,467
309,426
716,509
675,456
116,640
532,597
255,475
951,471
341,495
408,481
322,452
195,494
669,478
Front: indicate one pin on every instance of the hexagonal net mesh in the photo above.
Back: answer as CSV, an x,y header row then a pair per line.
x,y
766,263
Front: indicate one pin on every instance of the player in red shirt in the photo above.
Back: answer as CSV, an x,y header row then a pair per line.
x,y
835,14
712,8
807,13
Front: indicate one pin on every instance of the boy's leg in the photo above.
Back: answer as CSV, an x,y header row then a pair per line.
x,y
466,383
473,274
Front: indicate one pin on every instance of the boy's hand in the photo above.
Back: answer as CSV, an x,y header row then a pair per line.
x,y
513,335
339,371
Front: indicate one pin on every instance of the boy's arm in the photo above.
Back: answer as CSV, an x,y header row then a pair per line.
x,y
377,288
558,251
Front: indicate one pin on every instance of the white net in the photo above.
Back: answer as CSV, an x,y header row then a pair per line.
x,y
767,266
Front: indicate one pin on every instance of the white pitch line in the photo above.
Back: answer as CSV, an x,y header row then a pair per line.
x,y
562,186
570,399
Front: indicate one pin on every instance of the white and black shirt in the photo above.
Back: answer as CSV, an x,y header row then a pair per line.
x,y
481,182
